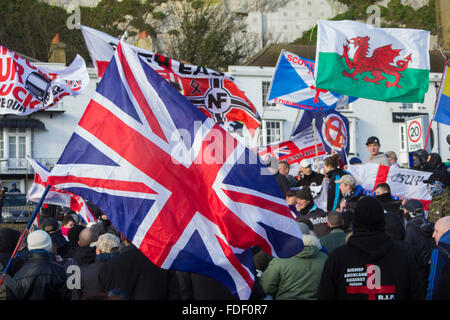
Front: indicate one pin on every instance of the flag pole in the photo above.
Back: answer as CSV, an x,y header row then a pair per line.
x,y
295,123
30,222
435,103
315,143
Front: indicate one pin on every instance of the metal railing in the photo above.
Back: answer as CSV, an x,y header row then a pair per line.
x,y
20,165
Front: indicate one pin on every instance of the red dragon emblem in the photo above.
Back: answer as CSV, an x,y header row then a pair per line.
x,y
381,61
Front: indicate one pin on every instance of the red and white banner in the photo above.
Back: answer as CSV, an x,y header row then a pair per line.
x,y
216,94
299,147
404,183
56,196
25,88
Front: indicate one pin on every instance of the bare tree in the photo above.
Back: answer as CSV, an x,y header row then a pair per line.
x,y
205,34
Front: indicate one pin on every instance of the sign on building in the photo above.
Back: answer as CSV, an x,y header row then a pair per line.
x,y
416,133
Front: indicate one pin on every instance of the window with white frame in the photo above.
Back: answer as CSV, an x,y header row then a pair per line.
x,y
13,146
272,131
2,144
403,142
265,93
17,143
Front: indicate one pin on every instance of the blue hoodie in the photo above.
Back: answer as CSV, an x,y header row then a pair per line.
x,y
438,260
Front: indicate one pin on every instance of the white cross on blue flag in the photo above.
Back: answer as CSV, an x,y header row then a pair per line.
x,y
293,85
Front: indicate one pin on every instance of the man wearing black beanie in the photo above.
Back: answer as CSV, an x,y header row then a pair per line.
x,y
370,266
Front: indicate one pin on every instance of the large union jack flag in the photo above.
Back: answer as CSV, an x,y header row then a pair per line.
x,y
185,192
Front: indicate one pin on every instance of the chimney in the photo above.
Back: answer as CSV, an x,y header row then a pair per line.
x,y
144,41
57,51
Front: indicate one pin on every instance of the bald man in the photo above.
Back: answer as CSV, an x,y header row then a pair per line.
x,y
439,257
85,254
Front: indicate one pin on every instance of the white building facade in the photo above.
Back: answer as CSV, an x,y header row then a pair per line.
x,y
41,135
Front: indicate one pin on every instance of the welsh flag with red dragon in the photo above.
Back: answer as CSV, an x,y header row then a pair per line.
x,y
386,64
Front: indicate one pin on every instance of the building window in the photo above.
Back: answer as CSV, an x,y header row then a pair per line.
x,y
13,145
17,143
408,106
265,92
2,144
402,137
272,131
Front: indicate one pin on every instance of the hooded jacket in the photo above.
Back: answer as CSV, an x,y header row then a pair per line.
x,y
438,261
296,277
370,267
418,232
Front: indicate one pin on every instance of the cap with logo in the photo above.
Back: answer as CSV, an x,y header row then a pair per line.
x,y
371,140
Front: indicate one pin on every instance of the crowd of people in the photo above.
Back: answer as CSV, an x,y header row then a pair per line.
x,y
360,247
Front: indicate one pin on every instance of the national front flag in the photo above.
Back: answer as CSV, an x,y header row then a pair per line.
x,y
293,85
26,88
54,195
182,190
216,94
386,64
331,126
442,113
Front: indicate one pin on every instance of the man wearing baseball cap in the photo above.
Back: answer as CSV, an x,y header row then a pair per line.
x,y
373,146
106,247
307,177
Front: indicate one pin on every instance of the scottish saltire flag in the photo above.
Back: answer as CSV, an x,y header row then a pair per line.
x,y
54,195
331,126
293,85
186,193
442,113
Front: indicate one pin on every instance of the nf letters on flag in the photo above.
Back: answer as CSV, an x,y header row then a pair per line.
x,y
54,195
442,113
293,85
216,94
172,181
405,183
25,88
386,64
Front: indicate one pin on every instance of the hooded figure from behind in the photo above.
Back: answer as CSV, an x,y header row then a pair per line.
x,y
370,260
8,240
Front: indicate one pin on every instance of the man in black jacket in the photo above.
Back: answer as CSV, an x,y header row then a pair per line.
x,y
106,247
85,254
133,273
308,177
370,266
308,210
419,231
41,277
